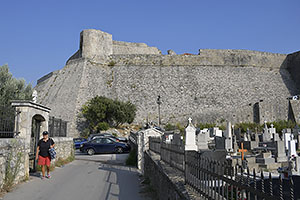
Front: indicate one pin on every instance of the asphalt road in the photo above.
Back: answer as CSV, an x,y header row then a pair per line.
x,y
97,177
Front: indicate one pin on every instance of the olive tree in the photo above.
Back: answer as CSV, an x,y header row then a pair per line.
x,y
12,88
101,112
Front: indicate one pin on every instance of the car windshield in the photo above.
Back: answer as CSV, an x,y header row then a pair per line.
x,y
113,139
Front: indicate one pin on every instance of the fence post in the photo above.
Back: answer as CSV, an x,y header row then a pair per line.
x,y
292,188
280,188
262,182
254,177
270,184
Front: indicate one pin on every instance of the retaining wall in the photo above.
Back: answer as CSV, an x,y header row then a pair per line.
x,y
167,181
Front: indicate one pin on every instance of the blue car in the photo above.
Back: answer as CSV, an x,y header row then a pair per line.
x,y
78,142
104,145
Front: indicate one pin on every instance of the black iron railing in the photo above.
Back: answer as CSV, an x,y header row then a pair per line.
x,y
214,179
7,121
57,127
219,180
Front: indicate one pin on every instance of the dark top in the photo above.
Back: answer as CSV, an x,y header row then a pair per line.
x,y
44,147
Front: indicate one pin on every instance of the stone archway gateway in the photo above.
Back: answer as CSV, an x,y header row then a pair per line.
x,y
32,120
37,120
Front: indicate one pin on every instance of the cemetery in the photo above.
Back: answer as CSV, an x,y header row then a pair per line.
x,y
216,164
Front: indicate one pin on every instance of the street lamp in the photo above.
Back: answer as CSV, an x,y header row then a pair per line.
x,y
158,101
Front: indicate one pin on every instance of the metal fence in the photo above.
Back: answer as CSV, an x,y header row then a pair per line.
x,y
214,179
173,154
57,127
7,121
220,180
133,140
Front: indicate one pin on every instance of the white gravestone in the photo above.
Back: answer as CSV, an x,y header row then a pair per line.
x,y
287,138
272,131
219,133
190,137
228,138
292,147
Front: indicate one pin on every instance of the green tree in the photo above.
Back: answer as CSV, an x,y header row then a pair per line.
x,y
12,88
101,112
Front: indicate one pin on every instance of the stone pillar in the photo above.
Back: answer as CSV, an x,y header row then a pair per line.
x,y
190,137
95,45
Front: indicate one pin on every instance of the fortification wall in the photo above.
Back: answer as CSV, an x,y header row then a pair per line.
x,y
216,85
133,48
293,66
254,59
206,93
60,92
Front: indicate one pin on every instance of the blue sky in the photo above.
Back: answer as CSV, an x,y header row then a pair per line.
x,y
37,37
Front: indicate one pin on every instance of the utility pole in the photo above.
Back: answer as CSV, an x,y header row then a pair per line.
x,y
158,101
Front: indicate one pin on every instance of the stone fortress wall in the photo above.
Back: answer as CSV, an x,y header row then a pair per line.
x,y
216,85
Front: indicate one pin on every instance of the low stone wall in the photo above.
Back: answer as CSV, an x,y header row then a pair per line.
x,y
64,147
166,181
13,151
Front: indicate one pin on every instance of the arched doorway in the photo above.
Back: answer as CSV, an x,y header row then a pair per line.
x,y
35,136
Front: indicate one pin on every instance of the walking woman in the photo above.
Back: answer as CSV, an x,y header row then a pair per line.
x,y
43,155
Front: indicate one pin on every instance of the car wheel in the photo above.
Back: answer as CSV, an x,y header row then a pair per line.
x,y
119,150
90,152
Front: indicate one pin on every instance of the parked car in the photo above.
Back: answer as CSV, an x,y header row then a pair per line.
x,y
118,139
78,142
104,145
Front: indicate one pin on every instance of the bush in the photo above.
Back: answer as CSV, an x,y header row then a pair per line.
x,y
281,124
132,158
170,127
205,125
102,126
101,112
248,125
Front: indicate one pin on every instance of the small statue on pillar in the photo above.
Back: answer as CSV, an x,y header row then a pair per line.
x,y
34,96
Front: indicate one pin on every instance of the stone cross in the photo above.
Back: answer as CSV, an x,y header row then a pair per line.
x,y
190,121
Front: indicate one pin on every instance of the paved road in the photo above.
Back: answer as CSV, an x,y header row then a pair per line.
x,y
84,179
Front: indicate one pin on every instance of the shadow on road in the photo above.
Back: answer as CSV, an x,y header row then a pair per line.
x,y
122,182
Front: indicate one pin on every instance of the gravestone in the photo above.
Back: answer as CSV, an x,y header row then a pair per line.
x,y
246,137
265,158
203,139
190,137
287,137
280,151
296,132
266,133
272,131
220,143
219,133
238,133
235,145
292,147
228,138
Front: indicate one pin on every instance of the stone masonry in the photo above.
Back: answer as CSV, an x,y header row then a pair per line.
x,y
210,87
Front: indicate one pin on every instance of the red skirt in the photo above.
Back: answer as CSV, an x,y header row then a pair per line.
x,y
44,160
